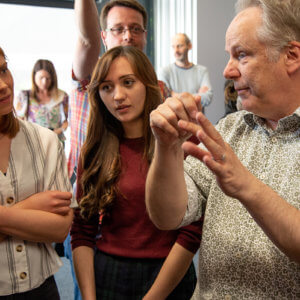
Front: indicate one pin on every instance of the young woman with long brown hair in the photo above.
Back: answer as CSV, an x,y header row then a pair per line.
x,y
133,259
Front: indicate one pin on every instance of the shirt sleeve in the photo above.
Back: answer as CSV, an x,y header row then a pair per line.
x,y
190,236
80,85
56,172
83,232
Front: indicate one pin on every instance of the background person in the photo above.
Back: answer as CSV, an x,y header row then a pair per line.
x,y
248,184
133,258
35,195
184,76
44,104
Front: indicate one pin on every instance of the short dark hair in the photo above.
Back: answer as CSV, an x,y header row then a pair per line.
x,y
124,3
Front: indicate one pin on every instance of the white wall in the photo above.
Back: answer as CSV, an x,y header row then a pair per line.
x,y
29,33
214,17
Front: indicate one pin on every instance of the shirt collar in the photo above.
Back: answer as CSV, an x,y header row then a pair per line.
x,y
289,123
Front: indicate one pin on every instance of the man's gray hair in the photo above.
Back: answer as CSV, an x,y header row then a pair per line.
x,y
281,23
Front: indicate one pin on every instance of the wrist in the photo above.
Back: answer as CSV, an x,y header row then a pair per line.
x,y
252,191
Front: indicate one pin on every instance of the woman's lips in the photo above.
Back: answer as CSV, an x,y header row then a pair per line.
x,y
122,108
4,99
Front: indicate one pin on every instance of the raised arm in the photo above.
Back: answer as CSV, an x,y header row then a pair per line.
x,y
87,49
278,219
166,194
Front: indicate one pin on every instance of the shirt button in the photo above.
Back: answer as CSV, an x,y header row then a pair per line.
x,y
9,200
23,275
19,248
227,297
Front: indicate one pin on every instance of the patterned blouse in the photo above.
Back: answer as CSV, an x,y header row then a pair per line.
x,y
50,115
237,260
37,163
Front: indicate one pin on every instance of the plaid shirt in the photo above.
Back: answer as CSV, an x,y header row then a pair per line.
x,y
78,117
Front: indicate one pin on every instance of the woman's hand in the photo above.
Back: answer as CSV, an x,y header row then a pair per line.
x,y
51,201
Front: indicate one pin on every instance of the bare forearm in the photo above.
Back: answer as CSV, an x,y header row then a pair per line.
x,y
171,273
34,225
83,258
166,195
279,220
87,49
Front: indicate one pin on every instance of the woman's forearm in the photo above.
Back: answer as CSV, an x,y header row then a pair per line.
x,y
35,225
172,271
83,259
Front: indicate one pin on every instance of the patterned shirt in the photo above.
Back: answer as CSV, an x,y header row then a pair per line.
x,y
50,115
237,260
37,163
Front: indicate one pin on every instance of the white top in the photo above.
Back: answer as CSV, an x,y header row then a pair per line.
x,y
37,163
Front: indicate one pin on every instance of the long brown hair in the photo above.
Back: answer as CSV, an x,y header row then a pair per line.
x,y
100,152
9,124
46,65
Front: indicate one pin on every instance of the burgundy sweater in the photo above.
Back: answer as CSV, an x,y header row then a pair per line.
x,y
128,231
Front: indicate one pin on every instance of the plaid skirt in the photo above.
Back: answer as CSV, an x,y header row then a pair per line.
x,y
119,278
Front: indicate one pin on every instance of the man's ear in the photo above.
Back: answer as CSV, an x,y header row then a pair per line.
x,y
293,57
190,46
103,37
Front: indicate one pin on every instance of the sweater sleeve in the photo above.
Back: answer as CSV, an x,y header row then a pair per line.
x,y
190,236
83,232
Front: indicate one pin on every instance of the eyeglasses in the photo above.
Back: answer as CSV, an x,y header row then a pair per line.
x,y
134,30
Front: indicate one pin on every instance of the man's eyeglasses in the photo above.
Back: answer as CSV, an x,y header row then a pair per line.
x,y
134,30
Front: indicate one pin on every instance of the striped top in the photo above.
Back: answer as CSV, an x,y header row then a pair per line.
x,y
37,163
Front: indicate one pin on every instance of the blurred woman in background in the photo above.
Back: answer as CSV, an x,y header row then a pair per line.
x,y
44,104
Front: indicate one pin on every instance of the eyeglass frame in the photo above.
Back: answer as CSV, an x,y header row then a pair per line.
x,y
114,30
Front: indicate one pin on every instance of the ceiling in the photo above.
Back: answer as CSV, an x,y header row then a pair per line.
x,y
48,3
